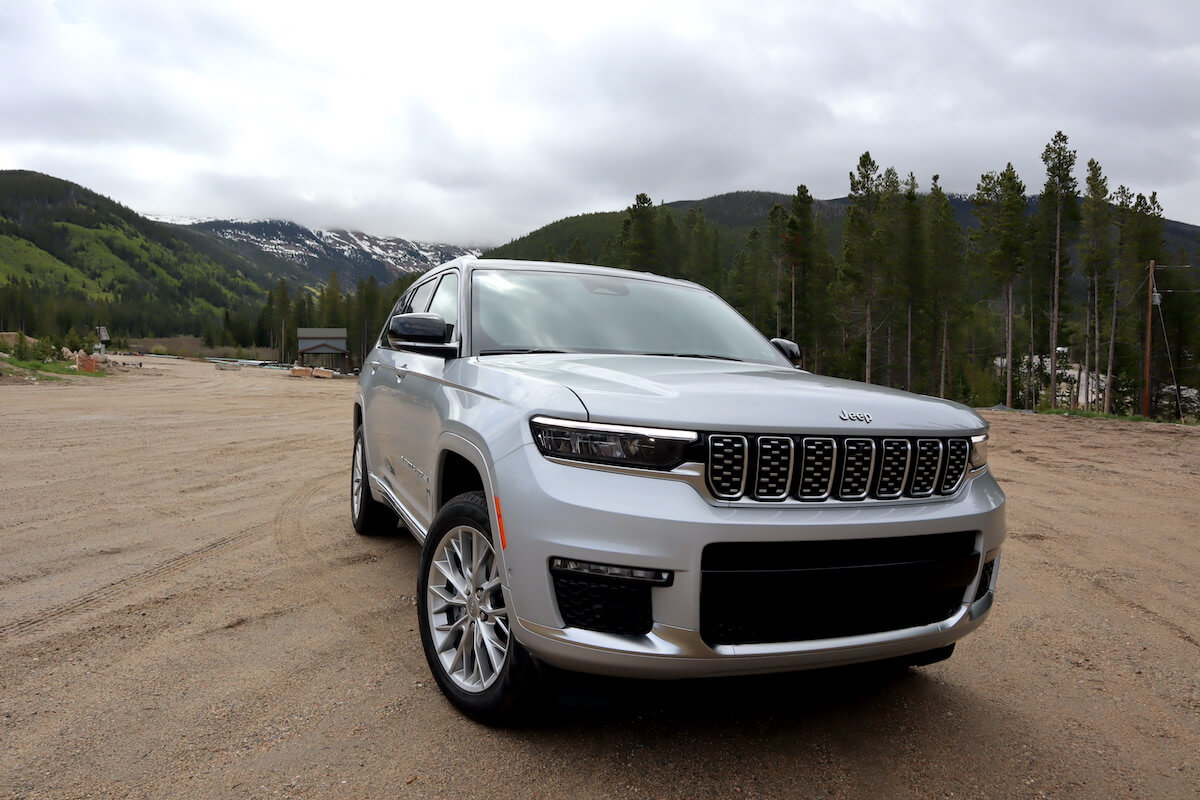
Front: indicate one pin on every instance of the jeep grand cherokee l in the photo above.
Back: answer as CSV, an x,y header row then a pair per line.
x,y
614,472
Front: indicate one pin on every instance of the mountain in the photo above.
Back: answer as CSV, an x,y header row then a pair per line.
x,y
71,258
352,254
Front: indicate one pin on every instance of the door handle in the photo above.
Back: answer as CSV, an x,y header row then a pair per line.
x,y
374,365
401,371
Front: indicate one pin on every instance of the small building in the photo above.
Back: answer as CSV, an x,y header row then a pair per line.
x,y
102,335
323,347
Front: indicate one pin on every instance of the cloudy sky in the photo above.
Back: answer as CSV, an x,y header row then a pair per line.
x,y
474,123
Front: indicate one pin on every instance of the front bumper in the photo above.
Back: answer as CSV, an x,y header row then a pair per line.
x,y
553,509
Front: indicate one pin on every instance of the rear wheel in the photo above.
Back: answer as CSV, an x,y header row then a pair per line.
x,y
368,515
466,627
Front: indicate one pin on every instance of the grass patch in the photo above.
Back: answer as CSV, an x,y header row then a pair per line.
x,y
52,368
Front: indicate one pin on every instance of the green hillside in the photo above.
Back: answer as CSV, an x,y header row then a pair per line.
x,y
71,259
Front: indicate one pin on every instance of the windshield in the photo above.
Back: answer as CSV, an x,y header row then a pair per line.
x,y
515,311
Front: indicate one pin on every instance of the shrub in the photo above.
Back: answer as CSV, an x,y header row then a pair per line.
x,y
21,347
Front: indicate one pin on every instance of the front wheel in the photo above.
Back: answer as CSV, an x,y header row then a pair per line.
x,y
466,627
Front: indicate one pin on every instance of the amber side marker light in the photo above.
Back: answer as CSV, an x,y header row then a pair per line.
x,y
500,524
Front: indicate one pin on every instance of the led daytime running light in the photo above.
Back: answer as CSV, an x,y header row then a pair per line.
x,y
621,445
979,451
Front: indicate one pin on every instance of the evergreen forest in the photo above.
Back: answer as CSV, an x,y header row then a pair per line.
x,y
894,286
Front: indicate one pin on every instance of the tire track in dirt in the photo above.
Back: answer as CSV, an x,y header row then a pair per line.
x,y
110,590
311,553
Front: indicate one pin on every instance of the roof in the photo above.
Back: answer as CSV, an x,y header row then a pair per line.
x,y
474,263
320,333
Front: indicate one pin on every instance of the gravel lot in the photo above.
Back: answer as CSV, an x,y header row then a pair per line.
x,y
185,611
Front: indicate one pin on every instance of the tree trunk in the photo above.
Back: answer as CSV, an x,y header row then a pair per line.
x,y
1096,338
1087,359
792,323
908,381
887,374
1054,304
945,353
867,377
1030,388
1112,346
1008,343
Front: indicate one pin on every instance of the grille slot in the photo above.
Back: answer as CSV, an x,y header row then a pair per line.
x,y
849,468
893,468
929,464
774,473
816,475
957,452
727,466
858,460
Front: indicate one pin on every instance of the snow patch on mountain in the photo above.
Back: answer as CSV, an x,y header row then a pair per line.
x,y
353,254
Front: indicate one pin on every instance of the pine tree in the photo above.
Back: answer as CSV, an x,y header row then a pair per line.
x,y
575,253
1059,203
1096,255
947,266
999,201
912,268
860,244
640,235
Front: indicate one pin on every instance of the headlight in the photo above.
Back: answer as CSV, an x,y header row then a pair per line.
x,y
624,445
979,448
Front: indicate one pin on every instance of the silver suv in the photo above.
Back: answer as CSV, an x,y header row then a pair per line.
x,y
614,472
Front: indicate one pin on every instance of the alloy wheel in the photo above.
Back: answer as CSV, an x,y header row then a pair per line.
x,y
465,606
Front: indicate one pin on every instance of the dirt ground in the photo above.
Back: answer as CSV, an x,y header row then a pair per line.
x,y
185,611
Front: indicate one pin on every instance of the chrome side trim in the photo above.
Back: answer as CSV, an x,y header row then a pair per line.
x,y
415,528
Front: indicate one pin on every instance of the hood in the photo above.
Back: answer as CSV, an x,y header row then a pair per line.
x,y
714,395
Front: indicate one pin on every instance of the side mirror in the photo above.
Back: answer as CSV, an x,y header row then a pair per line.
x,y
421,333
790,350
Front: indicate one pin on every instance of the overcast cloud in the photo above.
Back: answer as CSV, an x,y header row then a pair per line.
x,y
474,123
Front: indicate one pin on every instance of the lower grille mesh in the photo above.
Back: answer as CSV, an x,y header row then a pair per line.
x,y
799,591
603,604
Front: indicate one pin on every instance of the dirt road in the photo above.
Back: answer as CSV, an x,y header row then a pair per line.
x,y
185,611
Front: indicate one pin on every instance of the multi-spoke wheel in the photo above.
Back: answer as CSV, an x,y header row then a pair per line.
x,y
366,513
465,608
465,623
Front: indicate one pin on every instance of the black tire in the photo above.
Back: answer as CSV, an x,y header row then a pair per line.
x,y
494,695
369,516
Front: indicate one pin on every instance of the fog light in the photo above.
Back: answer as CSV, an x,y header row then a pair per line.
x,y
657,577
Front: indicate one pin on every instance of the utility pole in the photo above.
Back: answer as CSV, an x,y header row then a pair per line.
x,y
1153,298
1149,334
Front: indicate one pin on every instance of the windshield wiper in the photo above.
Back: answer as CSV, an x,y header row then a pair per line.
x,y
518,351
694,355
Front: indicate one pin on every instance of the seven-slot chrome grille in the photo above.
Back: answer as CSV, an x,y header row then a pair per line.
x,y
815,468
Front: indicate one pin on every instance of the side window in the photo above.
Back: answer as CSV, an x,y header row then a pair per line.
x,y
445,303
420,298
415,299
